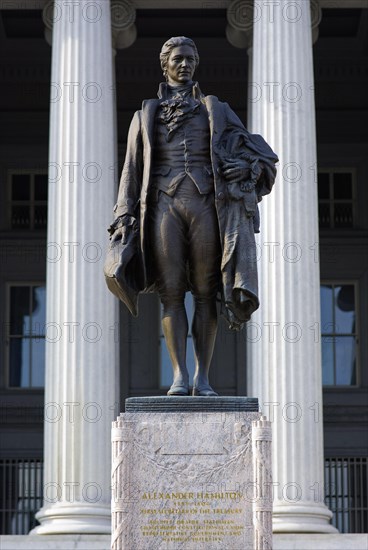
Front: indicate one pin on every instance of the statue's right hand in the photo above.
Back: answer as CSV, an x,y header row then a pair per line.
x,y
120,234
121,228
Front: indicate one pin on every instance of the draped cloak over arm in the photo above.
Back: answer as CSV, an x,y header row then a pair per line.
x,y
239,254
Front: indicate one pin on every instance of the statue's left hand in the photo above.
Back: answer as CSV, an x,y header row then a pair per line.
x,y
236,170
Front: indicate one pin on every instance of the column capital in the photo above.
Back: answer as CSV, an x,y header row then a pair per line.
x,y
123,14
239,30
316,16
242,13
48,20
124,31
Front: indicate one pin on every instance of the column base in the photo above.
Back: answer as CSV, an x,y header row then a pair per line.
x,y
73,518
302,517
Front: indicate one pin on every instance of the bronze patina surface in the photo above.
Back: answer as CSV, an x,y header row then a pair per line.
x,y
187,212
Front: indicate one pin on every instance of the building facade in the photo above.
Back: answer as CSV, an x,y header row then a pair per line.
x,y
72,76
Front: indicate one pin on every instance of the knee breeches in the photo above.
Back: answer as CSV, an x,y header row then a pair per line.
x,y
184,242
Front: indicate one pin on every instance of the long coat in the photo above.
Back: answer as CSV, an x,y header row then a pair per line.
x,y
236,203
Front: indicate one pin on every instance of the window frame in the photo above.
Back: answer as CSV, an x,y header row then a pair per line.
x,y
357,385
32,203
7,387
332,201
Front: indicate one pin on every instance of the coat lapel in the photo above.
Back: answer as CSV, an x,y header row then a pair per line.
x,y
216,116
149,107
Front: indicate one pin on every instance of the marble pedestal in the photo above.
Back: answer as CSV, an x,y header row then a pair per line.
x,y
191,473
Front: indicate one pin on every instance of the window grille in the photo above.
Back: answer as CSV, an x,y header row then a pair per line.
x,y
21,482
346,493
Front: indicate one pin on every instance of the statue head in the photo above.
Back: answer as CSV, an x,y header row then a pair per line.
x,y
175,42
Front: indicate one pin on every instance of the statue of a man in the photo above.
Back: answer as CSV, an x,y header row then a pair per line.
x,y
187,212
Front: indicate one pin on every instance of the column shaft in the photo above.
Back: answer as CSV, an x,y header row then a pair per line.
x,y
284,355
81,348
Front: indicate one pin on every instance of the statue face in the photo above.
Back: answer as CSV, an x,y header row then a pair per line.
x,y
180,65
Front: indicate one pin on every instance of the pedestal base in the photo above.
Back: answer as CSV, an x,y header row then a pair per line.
x,y
102,542
191,473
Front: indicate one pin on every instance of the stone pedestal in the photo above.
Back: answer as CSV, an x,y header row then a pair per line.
x,y
191,474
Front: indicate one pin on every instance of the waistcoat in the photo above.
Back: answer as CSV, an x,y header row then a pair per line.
x,y
185,155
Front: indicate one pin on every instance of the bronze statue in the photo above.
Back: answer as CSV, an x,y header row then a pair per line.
x,y
187,212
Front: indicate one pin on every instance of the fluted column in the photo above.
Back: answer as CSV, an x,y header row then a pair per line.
x,y
262,506
284,357
81,343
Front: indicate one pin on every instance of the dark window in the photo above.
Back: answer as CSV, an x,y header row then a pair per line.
x,y
26,339
340,22
28,200
336,199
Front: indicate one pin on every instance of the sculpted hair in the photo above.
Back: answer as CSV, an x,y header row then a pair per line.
x,y
172,43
